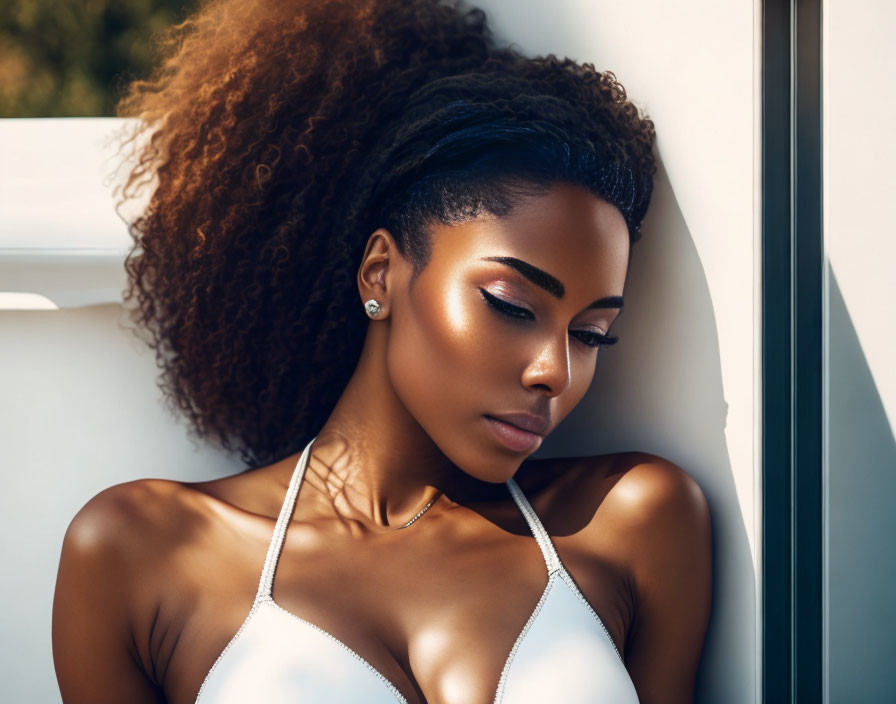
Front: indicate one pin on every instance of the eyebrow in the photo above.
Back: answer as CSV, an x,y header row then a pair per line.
x,y
549,283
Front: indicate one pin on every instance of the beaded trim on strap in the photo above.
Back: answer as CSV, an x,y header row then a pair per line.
x,y
270,562
551,558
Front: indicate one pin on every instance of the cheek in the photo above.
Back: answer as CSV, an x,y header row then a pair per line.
x,y
448,357
436,358
448,363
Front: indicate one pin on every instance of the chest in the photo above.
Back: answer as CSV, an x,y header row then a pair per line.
x,y
437,617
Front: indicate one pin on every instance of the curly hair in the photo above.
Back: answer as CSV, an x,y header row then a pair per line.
x,y
281,135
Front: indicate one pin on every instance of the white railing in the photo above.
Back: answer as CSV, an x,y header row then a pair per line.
x,y
62,243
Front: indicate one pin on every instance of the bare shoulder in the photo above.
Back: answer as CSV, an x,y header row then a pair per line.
x,y
664,519
135,537
133,518
655,492
636,492
650,507
113,569
144,520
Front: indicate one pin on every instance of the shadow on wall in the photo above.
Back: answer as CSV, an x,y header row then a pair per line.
x,y
861,521
659,390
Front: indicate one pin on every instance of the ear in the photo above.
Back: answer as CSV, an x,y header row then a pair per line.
x,y
374,273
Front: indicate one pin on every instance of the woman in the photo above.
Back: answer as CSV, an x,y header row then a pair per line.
x,y
379,261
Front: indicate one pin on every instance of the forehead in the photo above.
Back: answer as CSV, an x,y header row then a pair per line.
x,y
568,232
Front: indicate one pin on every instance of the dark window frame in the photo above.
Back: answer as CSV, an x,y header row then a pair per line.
x,y
792,352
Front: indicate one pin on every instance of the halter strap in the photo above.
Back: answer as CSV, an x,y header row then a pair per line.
x,y
265,585
551,558
270,562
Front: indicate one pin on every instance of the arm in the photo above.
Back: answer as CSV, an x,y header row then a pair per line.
x,y
94,650
672,580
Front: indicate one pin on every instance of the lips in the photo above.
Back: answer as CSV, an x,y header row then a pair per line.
x,y
525,421
512,436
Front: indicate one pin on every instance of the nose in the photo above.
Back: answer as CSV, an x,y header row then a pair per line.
x,y
549,369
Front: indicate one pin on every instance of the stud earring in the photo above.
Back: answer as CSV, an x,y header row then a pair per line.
x,y
373,308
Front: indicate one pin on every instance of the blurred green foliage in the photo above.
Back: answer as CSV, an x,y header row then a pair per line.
x,y
72,58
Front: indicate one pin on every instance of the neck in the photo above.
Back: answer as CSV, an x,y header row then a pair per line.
x,y
372,461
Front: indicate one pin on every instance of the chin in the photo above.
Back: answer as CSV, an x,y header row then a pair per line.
x,y
483,454
494,462
493,478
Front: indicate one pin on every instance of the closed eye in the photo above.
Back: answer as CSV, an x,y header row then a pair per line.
x,y
586,337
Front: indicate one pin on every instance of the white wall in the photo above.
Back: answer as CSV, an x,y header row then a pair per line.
x,y
79,410
859,181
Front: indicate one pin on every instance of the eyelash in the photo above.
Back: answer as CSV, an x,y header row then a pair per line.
x,y
591,339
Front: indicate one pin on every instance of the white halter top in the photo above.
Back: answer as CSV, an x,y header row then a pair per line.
x,y
563,653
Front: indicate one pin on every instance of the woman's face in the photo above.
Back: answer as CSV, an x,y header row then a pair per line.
x,y
499,323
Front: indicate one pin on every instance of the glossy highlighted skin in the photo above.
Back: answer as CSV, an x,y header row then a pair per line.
x,y
453,359
312,156
276,655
